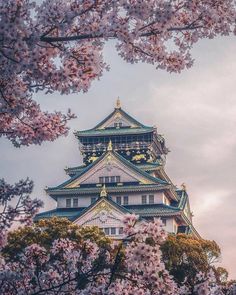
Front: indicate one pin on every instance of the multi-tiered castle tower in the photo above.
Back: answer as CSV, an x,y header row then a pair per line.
x,y
123,172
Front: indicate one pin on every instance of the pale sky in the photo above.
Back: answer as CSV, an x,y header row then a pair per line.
x,y
194,110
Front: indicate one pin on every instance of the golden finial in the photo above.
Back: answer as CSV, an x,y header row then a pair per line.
x,y
118,104
183,186
109,147
103,192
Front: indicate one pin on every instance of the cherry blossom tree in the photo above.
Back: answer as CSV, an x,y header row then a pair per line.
x,y
57,45
23,208
131,266
85,266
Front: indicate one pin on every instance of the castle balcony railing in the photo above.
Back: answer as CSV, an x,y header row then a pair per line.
x,y
116,146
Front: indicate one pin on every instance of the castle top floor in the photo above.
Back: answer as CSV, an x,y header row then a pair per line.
x,y
136,142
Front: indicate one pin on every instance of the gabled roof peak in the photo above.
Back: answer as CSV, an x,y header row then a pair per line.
x,y
144,177
118,103
109,147
103,192
119,115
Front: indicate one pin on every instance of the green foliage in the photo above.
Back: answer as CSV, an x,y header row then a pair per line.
x,y
185,256
221,275
45,231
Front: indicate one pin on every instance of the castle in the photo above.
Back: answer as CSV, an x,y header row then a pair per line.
x,y
123,171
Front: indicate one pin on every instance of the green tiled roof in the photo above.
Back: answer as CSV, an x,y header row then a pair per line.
x,y
141,210
153,210
74,213
140,129
75,170
113,131
148,166
183,198
145,167
122,159
123,113
69,213
56,192
147,210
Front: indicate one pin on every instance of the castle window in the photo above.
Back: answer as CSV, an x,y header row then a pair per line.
x,y
68,203
75,202
107,230
120,230
117,178
126,200
118,200
175,228
109,179
144,199
163,221
113,230
151,199
93,199
118,124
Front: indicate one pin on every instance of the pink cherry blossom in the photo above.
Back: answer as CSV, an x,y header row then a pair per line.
x,y
16,205
84,268
57,45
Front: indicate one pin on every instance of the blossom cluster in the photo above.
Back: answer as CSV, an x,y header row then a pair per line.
x,y
57,45
130,266
16,205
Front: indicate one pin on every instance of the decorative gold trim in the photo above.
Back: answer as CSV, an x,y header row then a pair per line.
x,y
118,103
109,147
183,186
103,192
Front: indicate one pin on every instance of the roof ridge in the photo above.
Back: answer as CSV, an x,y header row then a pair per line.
x,y
111,114
138,169
107,199
122,159
154,205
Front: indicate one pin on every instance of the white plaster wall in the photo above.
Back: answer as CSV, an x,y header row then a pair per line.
x,y
115,170
93,218
111,222
83,201
134,199
124,122
171,225
116,118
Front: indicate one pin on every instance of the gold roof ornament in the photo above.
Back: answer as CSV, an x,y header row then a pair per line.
x,y
183,186
103,192
118,103
109,147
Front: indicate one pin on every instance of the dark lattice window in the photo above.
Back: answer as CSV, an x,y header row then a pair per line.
x,y
75,202
126,200
151,199
144,199
113,230
118,200
68,203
